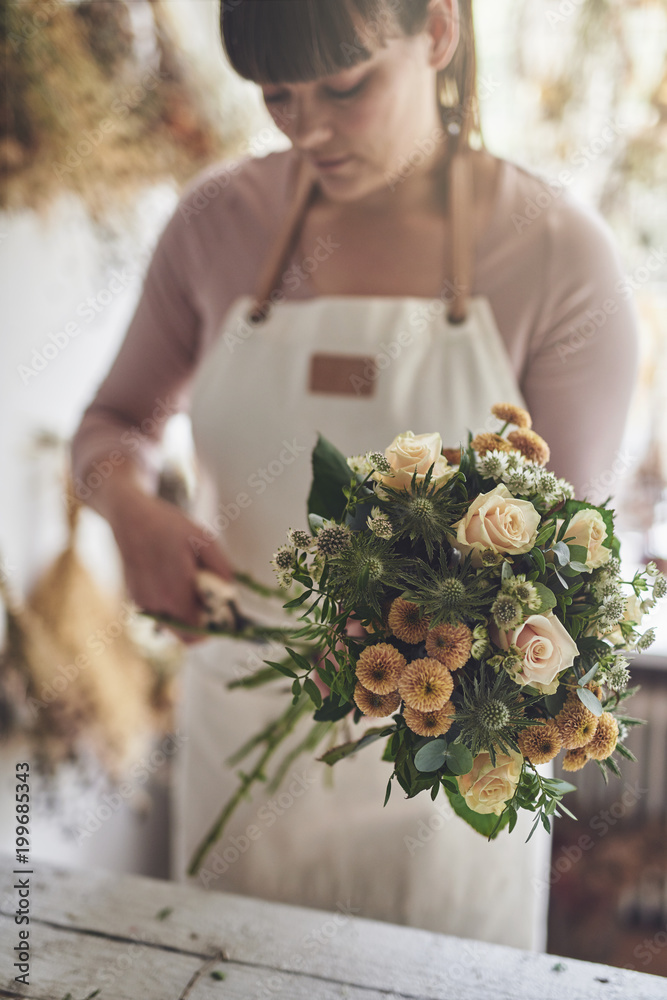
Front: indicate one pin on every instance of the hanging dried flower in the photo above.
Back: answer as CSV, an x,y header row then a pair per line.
x,y
450,644
379,668
426,685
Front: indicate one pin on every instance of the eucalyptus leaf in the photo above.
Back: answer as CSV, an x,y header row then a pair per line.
x,y
590,701
459,758
562,553
431,756
589,675
506,572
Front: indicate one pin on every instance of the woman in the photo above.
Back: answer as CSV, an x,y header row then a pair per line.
x,y
330,288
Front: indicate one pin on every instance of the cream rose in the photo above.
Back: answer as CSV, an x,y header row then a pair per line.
x,y
547,649
409,453
497,521
486,788
588,528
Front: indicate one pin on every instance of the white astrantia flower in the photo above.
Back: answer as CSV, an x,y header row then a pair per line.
x,y
360,465
646,640
379,524
618,675
612,610
659,587
493,464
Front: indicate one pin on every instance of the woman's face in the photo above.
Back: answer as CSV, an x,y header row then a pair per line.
x,y
358,126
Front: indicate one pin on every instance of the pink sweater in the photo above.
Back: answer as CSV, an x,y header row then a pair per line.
x,y
547,263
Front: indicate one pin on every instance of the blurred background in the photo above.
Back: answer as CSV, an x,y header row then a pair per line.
x,y
111,107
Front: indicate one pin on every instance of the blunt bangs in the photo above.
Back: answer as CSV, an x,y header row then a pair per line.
x,y
289,41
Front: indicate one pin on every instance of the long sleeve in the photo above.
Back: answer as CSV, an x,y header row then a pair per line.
x,y
582,362
147,381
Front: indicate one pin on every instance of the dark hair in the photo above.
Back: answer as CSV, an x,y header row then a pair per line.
x,y
284,41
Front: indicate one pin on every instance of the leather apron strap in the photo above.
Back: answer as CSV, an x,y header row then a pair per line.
x,y
460,215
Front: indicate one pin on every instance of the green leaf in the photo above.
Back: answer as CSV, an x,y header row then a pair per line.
x,y
313,692
554,702
387,794
300,660
331,474
558,786
590,701
483,823
459,758
538,558
347,749
431,756
506,573
298,600
281,668
331,711
547,598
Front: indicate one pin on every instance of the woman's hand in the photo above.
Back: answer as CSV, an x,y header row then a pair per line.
x,y
162,551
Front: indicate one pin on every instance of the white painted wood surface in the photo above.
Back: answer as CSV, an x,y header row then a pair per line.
x,y
95,930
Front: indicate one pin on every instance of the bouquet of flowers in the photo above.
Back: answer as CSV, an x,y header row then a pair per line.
x,y
465,600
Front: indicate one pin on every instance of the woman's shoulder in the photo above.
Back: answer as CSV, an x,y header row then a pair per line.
x,y
252,185
549,205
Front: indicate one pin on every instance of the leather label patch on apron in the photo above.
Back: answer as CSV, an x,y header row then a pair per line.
x,y
343,374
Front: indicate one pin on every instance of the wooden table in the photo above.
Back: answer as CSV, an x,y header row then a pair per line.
x,y
136,938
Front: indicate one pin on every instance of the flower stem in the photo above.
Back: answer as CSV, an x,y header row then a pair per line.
x,y
280,729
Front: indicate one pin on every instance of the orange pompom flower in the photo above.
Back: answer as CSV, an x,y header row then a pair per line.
x,y
450,644
379,668
405,622
426,685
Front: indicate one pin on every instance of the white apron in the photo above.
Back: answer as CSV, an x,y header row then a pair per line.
x,y
324,840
